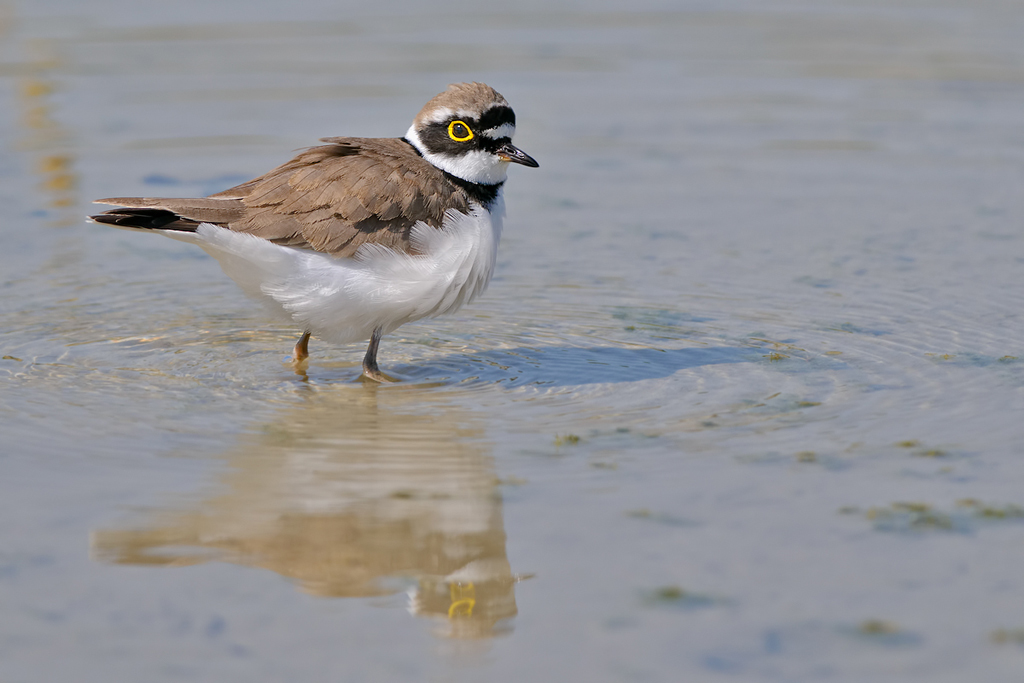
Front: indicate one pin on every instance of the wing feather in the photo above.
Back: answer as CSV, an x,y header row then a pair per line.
x,y
332,198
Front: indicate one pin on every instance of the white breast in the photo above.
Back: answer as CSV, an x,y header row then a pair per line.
x,y
344,300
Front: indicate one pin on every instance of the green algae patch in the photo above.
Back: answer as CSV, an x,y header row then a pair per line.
x,y
965,516
604,465
658,517
922,451
983,511
878,627
884,632
676,597
972,359
1007,636
566,440
909,517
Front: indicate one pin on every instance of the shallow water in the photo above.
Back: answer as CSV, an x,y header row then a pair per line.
x,y
743,401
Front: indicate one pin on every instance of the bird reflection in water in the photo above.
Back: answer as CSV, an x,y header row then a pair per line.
x,y
42,133
351,493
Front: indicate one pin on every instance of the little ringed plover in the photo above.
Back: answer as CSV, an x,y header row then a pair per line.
x,y
355,237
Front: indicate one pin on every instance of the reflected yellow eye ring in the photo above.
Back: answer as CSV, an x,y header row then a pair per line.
x,y
459,131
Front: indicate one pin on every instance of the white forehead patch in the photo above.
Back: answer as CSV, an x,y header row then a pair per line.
x,y
445,114
440,115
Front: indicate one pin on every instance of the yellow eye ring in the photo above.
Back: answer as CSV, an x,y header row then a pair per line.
x,y
459,131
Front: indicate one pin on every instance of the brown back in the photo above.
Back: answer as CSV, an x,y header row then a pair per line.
x,y
332,198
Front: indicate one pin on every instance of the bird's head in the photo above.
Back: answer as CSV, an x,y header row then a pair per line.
x,y
467,131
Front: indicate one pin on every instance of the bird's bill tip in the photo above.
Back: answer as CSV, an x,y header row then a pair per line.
x,y
509,152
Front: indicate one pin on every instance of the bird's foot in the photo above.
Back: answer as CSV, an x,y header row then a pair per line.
x,y
373,373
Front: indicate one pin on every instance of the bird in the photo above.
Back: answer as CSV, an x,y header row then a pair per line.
x,y
354,237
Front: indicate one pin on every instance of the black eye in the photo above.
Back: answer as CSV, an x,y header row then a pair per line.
x,y
459,131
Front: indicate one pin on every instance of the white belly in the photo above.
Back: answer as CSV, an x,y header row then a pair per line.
x,y
344,300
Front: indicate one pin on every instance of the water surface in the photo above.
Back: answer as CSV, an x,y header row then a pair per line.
x,y
743,401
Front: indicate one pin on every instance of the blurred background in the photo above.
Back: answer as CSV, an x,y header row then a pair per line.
x,y
742,402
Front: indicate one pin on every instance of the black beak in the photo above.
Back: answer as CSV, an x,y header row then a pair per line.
x,y
509,152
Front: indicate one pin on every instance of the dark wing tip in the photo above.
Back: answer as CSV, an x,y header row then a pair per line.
x,y
144,219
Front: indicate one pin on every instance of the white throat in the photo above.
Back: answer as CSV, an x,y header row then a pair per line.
x,y
477,166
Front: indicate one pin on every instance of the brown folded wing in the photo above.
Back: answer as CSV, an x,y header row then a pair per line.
x,y
332,198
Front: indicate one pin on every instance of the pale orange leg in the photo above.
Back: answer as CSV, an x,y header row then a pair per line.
x,y
301,351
